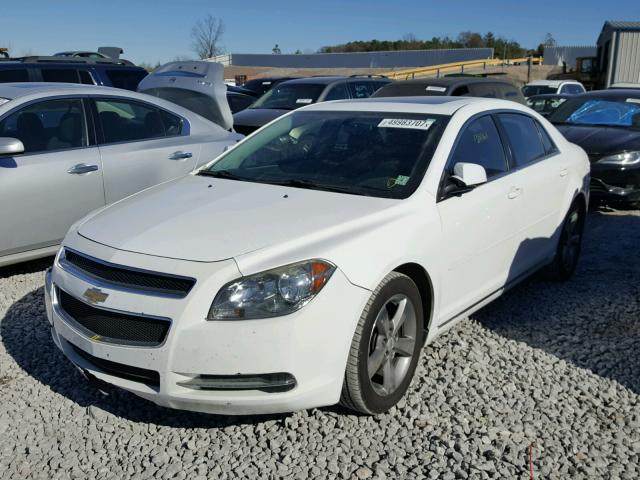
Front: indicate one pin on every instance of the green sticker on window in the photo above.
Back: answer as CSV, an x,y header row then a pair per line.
x,y
399,180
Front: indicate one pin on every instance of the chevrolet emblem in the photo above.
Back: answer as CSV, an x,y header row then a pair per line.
x,y
95,295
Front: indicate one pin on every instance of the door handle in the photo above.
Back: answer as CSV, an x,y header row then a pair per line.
x,y
81,168
514,192
564,172
180,155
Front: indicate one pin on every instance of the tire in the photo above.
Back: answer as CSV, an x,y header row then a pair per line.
x,y
569,246
382,340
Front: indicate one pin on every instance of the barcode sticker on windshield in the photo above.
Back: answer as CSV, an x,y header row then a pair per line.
x,y
433,88
633,100
406,123
304,100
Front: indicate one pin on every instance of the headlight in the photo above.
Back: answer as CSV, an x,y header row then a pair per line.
x,y
272,293
623,159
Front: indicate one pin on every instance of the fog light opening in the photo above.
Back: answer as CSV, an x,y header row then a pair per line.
x,y
267,382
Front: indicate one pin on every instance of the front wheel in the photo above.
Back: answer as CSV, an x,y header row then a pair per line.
x,y
385,348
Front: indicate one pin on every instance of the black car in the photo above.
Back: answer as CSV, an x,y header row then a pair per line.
x,y
90,71
606,124
453,86
261,86
297,93
547,103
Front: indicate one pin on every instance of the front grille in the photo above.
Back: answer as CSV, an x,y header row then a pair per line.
x,y
135,374
245,129
131,278
114,327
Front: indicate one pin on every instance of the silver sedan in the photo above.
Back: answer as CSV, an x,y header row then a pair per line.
x,y
66,150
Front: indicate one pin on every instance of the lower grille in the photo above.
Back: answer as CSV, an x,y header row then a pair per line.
x,y
597,186
135,374
114,327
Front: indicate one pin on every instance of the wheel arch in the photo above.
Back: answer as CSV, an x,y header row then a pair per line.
x,y
422,279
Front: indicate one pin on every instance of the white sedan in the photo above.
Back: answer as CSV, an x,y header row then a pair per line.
x,y
310,263
68,149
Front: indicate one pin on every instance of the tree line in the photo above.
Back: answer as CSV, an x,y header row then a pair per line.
x,y
503,48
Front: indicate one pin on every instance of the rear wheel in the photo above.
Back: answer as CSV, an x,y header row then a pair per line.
x,y
569,244
385,348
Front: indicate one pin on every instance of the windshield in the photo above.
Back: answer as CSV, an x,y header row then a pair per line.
x,y
610,112
289,97
545,105
531,90
361,153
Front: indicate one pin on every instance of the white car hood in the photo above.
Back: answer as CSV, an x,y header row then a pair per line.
x,y
206,219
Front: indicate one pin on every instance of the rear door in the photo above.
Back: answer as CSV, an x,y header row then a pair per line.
x,y
141,145
55,182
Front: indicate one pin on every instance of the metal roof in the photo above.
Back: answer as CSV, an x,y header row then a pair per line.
x,y
619,24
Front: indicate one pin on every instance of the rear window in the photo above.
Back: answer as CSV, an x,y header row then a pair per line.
x,y
531,90
126,79
406,89
14,75
290,96
62,75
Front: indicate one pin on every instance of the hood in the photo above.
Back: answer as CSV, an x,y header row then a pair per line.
x,y
207,219
256,117
598,141
196,86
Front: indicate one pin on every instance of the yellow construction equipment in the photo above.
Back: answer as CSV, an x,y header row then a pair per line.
x,y
458,67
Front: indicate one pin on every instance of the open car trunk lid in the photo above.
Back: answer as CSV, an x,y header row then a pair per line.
x,y
196,86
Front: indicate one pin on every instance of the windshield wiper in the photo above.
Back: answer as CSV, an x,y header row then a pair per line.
x,y
226,174
296,183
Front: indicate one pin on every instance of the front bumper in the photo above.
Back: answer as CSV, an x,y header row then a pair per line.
x,y
311,344
615,184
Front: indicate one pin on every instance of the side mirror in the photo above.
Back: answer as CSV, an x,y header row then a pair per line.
x,y
469,174
10,146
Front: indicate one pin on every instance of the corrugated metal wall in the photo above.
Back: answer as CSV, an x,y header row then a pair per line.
x,y
392,59
569,54
627,62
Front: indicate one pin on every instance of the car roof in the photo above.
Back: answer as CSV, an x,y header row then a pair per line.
x,y
550,83
438,105
612,93
327,79
13,91
450,81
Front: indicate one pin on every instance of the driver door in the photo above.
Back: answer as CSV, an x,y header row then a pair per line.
x,y
477,226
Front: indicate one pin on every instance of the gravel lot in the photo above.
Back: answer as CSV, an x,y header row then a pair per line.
x,y
552,366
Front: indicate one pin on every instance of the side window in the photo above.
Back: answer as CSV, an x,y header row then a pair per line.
x,y
64,75
523,137
126,121
239,102
127,79
480,143
360,89
547,143
85,77
14,75
47,126
338,92
572,89
375,86
172,123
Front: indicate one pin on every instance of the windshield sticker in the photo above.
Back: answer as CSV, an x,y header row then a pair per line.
x,y
633,100
400,180
266,83
406,123
304,100
433,88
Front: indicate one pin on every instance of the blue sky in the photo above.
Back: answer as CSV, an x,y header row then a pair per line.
x,y
152,31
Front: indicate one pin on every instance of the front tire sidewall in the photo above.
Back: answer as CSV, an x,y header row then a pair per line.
x,y
374,402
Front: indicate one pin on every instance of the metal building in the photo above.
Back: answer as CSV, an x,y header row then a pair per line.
x,y
388,59
568,55
619,52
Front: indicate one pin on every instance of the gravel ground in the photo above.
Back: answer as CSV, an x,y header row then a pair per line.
x,y
550,369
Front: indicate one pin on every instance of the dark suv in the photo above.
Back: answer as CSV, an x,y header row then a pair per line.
x,y
106,72
297,93
455,87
